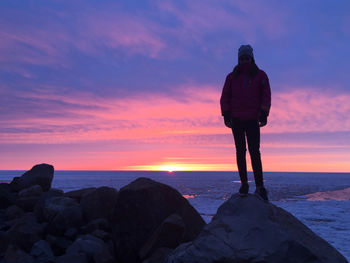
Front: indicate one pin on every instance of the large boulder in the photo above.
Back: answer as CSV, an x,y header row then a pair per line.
x,y
41,174
71,233
27,203
72,258
41,252
34,190
100,223
3,223
13,212
140,209
25,231
168,235
39,206
16,255
58,244
4,241
6,197
99,203
78,194
159,256
61,213
93,247
28,197
251,230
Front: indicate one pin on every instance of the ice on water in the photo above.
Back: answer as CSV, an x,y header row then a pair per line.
x,y
319,200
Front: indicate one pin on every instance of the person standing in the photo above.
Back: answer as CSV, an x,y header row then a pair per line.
x,y
245,105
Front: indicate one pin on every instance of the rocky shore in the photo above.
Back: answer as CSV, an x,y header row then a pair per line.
x,y
145,221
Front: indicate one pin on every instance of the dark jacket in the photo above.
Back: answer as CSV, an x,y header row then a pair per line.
x,y
244,97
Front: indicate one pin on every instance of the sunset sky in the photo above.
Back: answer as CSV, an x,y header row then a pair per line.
x,y
135,85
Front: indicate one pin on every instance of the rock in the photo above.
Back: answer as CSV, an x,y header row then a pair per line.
x,y
89,245
99,223
28,197
99,203
159,256
26,217
58,244
34,190
101,234
251,230
3,224
104,256
41,174
27,203
4,241
39,207
13,212
168,235
25,231
5,187
72,258
61,213
77,194
16,255
54,192
6,197
71,233
141,207
41,252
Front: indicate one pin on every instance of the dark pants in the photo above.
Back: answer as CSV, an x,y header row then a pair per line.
x,y
251,130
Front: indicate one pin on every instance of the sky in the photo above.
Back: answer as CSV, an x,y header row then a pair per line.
x,y
135,85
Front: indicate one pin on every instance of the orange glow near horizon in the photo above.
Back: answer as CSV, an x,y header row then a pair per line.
x,y
178,167
277,166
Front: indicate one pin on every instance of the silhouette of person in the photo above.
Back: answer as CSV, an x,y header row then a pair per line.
x,y
245,104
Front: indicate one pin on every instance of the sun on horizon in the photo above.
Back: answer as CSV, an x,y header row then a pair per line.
x,y
173,167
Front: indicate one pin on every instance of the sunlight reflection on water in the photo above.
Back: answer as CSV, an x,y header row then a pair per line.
x,y
189,196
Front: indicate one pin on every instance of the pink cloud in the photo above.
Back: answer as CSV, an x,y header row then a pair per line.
x,y
271,20
306,109
95,30
198,18
30,45
153,130
50,42
155,117
103,119
134,34
345,27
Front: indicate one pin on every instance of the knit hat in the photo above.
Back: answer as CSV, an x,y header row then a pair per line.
x,y
245,50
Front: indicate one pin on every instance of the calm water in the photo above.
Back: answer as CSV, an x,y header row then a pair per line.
x,y
319,200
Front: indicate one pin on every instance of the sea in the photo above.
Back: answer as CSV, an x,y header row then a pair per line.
x,y
319,200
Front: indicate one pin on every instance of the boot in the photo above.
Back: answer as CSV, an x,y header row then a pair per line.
x,y
261,192
244,189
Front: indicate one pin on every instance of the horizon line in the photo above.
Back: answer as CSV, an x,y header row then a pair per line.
x,y
236,171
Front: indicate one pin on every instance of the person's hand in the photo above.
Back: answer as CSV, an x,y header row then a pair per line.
x,y
262,119
227,119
